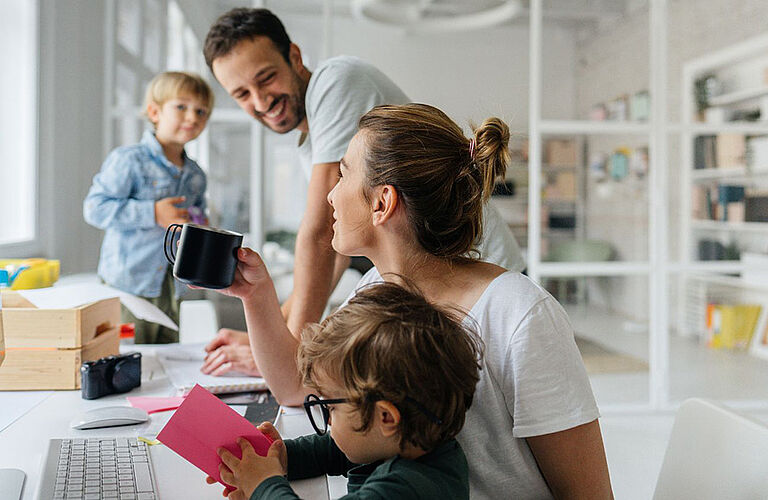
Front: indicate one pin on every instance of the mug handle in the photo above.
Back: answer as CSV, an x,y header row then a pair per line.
x,y
170,255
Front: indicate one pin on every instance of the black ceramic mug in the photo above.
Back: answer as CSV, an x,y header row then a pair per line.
x,y
205,257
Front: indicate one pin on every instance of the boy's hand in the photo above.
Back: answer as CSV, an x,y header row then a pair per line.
x,y
269,430
249,472
167,213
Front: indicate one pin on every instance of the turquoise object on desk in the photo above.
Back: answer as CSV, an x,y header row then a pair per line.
x,y
15,274
7,277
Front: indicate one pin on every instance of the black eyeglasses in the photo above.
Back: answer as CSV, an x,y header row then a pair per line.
x,y
318,412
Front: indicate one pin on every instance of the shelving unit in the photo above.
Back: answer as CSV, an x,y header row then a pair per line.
x,y
655,131
733,227
738,96
701,281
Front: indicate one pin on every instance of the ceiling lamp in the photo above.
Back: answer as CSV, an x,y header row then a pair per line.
x,y
437,16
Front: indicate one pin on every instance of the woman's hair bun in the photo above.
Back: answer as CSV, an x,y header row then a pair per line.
x,y
491,152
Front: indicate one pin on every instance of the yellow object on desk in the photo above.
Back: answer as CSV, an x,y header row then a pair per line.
x,y
40,273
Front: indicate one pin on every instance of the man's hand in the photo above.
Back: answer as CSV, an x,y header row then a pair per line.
x,y
247,473
229,351
167,213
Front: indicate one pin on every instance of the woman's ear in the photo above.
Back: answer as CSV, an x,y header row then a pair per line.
x,y
385,203
388,418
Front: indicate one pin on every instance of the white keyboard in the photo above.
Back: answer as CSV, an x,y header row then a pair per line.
x,y
97,468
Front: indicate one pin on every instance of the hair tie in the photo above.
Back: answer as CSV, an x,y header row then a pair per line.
x,y
472,148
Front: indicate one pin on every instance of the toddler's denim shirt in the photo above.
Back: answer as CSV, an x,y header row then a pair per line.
x,y
122,202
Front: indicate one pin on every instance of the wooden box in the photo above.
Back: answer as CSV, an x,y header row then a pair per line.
x,y
45,347
561,153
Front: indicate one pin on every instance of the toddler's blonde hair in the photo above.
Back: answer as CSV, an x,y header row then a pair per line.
x,y
172,84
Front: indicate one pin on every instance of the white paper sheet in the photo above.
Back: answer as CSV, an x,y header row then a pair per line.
x,y
182,365
67,296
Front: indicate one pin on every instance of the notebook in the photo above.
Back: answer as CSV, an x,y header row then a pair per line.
x,y
182,365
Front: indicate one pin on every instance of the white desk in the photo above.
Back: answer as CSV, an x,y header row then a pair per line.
x,y
24,442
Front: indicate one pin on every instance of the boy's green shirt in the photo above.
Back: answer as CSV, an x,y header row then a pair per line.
x,y
441,474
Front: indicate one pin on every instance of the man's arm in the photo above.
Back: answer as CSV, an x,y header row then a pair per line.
x,y
339,266
314,262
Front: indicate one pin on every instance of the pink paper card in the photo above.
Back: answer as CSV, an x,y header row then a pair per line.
x,y
203,424
155,404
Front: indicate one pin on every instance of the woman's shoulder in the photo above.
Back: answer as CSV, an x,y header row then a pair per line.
x,y
513,289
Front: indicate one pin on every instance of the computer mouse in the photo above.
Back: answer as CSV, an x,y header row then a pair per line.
x,y
11,484
110,416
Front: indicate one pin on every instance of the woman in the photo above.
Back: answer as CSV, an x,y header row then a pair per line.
x,y
410,197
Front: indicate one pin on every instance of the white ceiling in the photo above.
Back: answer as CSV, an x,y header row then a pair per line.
x,y
553,9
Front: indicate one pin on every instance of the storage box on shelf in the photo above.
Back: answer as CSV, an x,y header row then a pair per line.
x,y
45,347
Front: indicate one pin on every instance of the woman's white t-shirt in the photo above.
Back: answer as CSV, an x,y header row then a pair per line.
x,y
533,382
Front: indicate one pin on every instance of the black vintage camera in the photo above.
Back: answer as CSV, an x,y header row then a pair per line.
x,y
110,375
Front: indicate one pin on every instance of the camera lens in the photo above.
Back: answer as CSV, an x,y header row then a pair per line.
x,y
126,376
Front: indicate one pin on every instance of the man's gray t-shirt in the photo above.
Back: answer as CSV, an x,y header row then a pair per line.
x,y
341,90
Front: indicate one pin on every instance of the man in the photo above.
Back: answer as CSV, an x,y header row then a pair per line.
x,y
254,60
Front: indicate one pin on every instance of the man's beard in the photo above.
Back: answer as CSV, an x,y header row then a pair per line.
x,y
296,111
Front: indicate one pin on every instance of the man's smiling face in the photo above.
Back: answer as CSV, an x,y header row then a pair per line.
x,y
263,83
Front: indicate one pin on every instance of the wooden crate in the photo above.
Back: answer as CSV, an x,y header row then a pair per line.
x,y
44,348
49,368
27,326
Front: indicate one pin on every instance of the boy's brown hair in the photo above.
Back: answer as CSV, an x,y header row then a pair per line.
x,y
389,343
172,84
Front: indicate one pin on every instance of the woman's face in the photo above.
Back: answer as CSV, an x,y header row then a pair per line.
x,y
352,214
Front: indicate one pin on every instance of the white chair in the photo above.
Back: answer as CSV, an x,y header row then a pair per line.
x,y
197,321
714,454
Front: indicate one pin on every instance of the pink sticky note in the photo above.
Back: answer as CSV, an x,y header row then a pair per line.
x,y
155,404
203,424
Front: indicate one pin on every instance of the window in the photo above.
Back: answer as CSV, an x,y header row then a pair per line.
x,y
18,122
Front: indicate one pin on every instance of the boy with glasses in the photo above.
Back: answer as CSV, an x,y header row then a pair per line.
x,y
395,376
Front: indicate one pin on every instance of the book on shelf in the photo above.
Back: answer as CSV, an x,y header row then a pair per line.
x,y
704,151
756,206
726,203
731,199
731,150
731,326
757,153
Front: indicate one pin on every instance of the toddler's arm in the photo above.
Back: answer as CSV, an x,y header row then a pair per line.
x,y
110,203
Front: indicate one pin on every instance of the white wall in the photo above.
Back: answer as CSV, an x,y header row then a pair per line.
x,y
615,61
70,127
469,75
